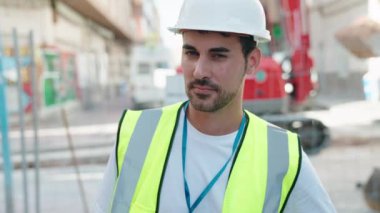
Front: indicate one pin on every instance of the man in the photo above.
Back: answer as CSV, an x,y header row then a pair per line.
x,y
207,154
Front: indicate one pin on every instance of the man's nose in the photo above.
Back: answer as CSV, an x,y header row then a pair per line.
x,y
202,68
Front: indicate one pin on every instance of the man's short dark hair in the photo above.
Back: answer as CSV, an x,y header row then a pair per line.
x,y
248,44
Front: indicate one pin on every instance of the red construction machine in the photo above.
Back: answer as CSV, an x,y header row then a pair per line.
x,y
283,81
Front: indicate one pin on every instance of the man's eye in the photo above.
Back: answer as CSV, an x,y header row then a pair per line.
x,y
218,56
191,53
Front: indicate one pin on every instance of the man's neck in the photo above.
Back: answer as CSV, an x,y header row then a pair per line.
x,y
222,122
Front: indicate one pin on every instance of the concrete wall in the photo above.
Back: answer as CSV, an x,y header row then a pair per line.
x,y
340,72
75,33
102,61
70,33
119,11
38,20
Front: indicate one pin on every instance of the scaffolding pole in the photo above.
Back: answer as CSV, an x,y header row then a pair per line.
x,y
35,122
7,163
21,120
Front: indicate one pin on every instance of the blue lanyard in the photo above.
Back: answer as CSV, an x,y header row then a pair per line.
x,y
217,176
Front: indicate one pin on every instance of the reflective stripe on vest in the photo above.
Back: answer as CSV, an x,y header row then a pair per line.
x,y
143,143
261,179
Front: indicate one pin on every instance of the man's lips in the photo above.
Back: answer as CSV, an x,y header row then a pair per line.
x,y
203,88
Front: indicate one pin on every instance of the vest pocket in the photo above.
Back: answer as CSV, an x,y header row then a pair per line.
x,y
140,208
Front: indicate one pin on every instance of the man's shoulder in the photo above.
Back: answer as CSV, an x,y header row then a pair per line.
x,y
257,119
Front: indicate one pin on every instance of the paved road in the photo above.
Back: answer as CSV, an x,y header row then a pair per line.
x,y
341,168
353,153
59,189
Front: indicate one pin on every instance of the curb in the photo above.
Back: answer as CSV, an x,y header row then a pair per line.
x,y
62,158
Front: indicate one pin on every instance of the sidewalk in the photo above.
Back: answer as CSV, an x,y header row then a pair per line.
x,y
93,134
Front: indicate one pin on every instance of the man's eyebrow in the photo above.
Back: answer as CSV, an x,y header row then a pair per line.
x,y
219,49
188,47
216,49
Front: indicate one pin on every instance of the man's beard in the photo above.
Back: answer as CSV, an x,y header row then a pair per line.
x,y
223,97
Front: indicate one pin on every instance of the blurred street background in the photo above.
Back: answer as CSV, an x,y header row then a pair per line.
x,y
68,69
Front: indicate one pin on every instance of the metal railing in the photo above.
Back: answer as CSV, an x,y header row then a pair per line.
x,y
17,62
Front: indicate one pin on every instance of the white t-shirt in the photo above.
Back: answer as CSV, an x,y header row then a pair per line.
x,y
205,155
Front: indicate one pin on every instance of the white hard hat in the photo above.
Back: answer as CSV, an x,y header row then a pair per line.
x,y
234,16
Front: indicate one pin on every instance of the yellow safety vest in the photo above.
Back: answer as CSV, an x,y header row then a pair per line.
x,y
263,174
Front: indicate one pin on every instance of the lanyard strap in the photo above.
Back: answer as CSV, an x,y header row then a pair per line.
x,y
220,172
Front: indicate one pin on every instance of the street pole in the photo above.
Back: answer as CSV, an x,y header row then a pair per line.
x,y
7,164
75,160
72,149
35,121
21,119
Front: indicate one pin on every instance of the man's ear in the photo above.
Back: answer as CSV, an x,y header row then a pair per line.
x,y
253,61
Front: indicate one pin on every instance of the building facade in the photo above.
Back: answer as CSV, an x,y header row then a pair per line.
x,y
340,71
82,47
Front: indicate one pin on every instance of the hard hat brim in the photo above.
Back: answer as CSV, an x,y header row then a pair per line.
x,y
258,39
